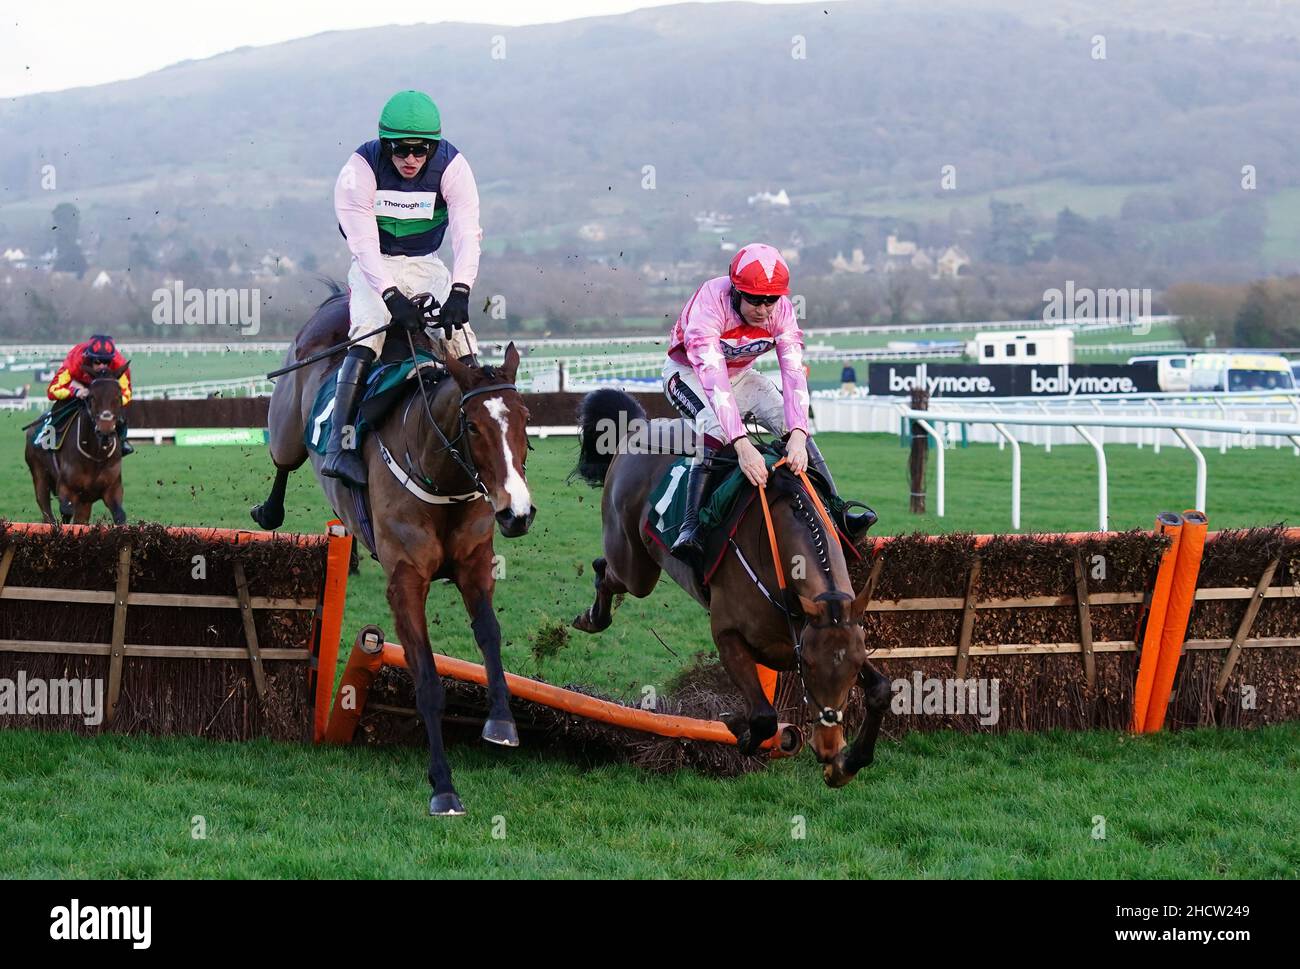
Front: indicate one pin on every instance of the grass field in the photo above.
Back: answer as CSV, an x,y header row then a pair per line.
x,y
1197,804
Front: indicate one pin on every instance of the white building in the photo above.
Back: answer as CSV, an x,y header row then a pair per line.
x,y
1023,346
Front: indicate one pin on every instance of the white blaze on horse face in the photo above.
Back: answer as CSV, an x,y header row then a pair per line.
x,y
516,486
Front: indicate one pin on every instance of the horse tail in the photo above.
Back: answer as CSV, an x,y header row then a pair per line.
x,y
599,406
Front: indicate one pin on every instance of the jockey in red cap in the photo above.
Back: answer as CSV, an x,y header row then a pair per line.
x,y
96,357
710,378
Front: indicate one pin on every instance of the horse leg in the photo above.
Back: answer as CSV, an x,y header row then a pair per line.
x,y
270,513
113,500
407,592
81,510
862,751
475,581
67,506
599,615
739,663
44,488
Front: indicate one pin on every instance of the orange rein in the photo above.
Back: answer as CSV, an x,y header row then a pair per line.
x,y
767,519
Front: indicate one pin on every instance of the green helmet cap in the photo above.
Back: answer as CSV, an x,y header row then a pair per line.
x,y
410,114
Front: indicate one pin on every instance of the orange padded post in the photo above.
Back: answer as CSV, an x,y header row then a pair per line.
x,y
331,622
364,664
1171,524
1182,595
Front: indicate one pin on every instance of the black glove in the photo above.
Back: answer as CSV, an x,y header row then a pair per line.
x,y
405,313
455,312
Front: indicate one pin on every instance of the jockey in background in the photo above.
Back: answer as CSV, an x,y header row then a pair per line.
x,y
97,357
710,378
395,199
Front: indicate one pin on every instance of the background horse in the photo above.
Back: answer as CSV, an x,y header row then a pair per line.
x,y
436,520
87,466
828,650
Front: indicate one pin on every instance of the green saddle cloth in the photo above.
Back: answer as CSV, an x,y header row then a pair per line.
x,y
383,384
54,424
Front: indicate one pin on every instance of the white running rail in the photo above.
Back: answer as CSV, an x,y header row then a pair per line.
x,y
927,419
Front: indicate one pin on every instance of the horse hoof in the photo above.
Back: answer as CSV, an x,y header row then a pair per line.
x,y
834,773
445,806
501,732
587,624
270,519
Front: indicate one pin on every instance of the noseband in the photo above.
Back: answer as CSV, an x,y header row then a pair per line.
x,y
464,461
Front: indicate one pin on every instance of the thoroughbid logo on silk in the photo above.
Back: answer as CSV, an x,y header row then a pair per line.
x,y
405,205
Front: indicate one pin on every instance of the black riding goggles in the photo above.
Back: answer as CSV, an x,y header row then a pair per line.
x,y
754,300
401,150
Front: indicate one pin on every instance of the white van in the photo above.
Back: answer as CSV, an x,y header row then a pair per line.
x,y
1221,372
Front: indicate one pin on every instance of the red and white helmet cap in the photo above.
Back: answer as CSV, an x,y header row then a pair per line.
x,y
759,269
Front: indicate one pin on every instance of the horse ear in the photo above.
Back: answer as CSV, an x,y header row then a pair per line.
x,y
463,375
860,602
811,609
511,364
122,369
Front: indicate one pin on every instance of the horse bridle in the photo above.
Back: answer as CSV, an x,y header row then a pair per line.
x,y
467,466
84,410
827,716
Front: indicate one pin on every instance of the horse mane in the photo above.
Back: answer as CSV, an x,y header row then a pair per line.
x,y
334,286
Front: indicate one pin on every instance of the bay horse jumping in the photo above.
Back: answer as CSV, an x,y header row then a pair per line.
x,y
819,634
439,478
87,465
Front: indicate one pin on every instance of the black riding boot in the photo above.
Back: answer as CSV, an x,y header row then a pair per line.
x,y
689,547
346,462
121,437
853,521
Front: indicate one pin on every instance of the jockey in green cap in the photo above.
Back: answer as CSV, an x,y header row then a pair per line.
x,y
395,199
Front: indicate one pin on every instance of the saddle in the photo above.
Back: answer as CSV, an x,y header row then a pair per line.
x,y
54,423
724,506
389,383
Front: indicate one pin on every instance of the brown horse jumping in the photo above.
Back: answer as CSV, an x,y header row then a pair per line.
x,y
439,478
827,648
87,466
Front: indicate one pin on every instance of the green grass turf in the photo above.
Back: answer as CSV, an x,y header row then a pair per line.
x,y
1199,804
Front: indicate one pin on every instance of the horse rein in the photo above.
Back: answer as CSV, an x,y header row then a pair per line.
x,y
828,716
467,467
84,410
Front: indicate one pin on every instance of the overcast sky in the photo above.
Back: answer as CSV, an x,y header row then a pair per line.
x,y
70,43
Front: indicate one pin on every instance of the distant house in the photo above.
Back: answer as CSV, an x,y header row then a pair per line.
x,y
953,263
779,200
592,232
15,258
719,223
903,254
896,248
101,280
857,264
